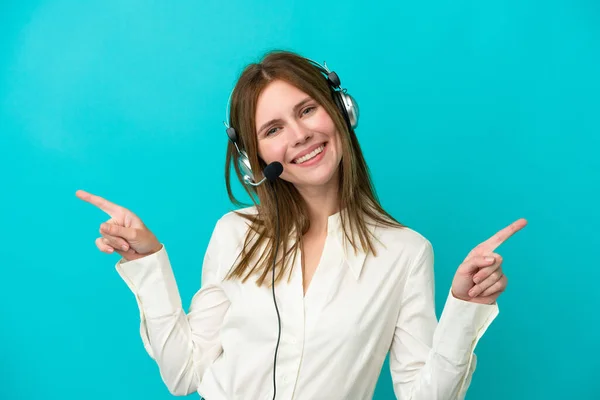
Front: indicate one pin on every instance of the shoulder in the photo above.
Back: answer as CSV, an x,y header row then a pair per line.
x,y
404,242
228,236
233,225
235,222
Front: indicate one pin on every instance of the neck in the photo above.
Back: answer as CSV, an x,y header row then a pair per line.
x,y
322,202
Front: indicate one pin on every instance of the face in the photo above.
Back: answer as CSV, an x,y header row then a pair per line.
x,y
298,132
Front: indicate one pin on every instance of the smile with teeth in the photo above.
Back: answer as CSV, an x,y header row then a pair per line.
x,y
310,155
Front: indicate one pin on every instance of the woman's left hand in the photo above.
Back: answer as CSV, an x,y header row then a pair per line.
x,y
480,279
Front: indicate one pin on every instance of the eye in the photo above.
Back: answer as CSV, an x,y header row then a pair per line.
x,y
308,110
271,131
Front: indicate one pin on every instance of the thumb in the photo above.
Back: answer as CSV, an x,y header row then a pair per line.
x,y
129,234
472,264
127,254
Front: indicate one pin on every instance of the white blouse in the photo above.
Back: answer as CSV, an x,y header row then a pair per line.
x,y
334,339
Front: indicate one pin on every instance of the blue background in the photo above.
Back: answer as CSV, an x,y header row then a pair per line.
x,y
473,114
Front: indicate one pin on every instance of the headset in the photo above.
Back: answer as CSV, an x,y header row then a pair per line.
x,y
344,102
349,110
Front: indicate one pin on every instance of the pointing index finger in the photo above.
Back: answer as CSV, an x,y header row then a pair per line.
x,y
101,203
501,236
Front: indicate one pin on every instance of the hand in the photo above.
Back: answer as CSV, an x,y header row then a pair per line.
x,y
124,232
479,278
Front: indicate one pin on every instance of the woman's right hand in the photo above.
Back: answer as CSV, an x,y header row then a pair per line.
x,y
124,233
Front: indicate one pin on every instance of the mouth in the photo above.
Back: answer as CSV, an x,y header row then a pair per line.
x,y
312,157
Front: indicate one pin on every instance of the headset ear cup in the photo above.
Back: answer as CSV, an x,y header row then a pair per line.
x,y
244,163
340,105
347,107
351,108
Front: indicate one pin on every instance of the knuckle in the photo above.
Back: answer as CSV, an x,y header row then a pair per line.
x,y
485,260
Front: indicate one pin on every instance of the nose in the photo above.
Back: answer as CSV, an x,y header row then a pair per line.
x,y
300,134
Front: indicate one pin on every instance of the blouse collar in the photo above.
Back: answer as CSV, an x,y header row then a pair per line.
x,y
354,259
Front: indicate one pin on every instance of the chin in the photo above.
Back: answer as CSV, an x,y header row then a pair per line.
x,y
318,177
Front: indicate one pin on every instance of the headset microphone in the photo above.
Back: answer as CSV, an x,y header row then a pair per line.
x,y
273,170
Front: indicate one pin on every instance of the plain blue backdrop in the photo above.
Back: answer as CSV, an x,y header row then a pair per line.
x,y
473,114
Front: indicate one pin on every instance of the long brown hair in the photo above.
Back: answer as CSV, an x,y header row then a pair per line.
x,y
357,197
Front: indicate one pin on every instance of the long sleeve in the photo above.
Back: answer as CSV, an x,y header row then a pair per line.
x,y
183,345
431,360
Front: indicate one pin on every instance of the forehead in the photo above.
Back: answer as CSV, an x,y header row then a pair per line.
x,y
276,100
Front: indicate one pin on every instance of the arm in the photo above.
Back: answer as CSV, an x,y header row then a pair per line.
x,y
182,345
431,361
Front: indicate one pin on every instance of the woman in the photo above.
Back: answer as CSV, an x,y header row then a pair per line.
x,y
351,283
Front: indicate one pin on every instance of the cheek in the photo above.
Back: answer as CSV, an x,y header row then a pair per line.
x,y
271,150
338,144
322,122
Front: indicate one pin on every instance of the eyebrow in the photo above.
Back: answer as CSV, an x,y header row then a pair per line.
x,y
296,108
